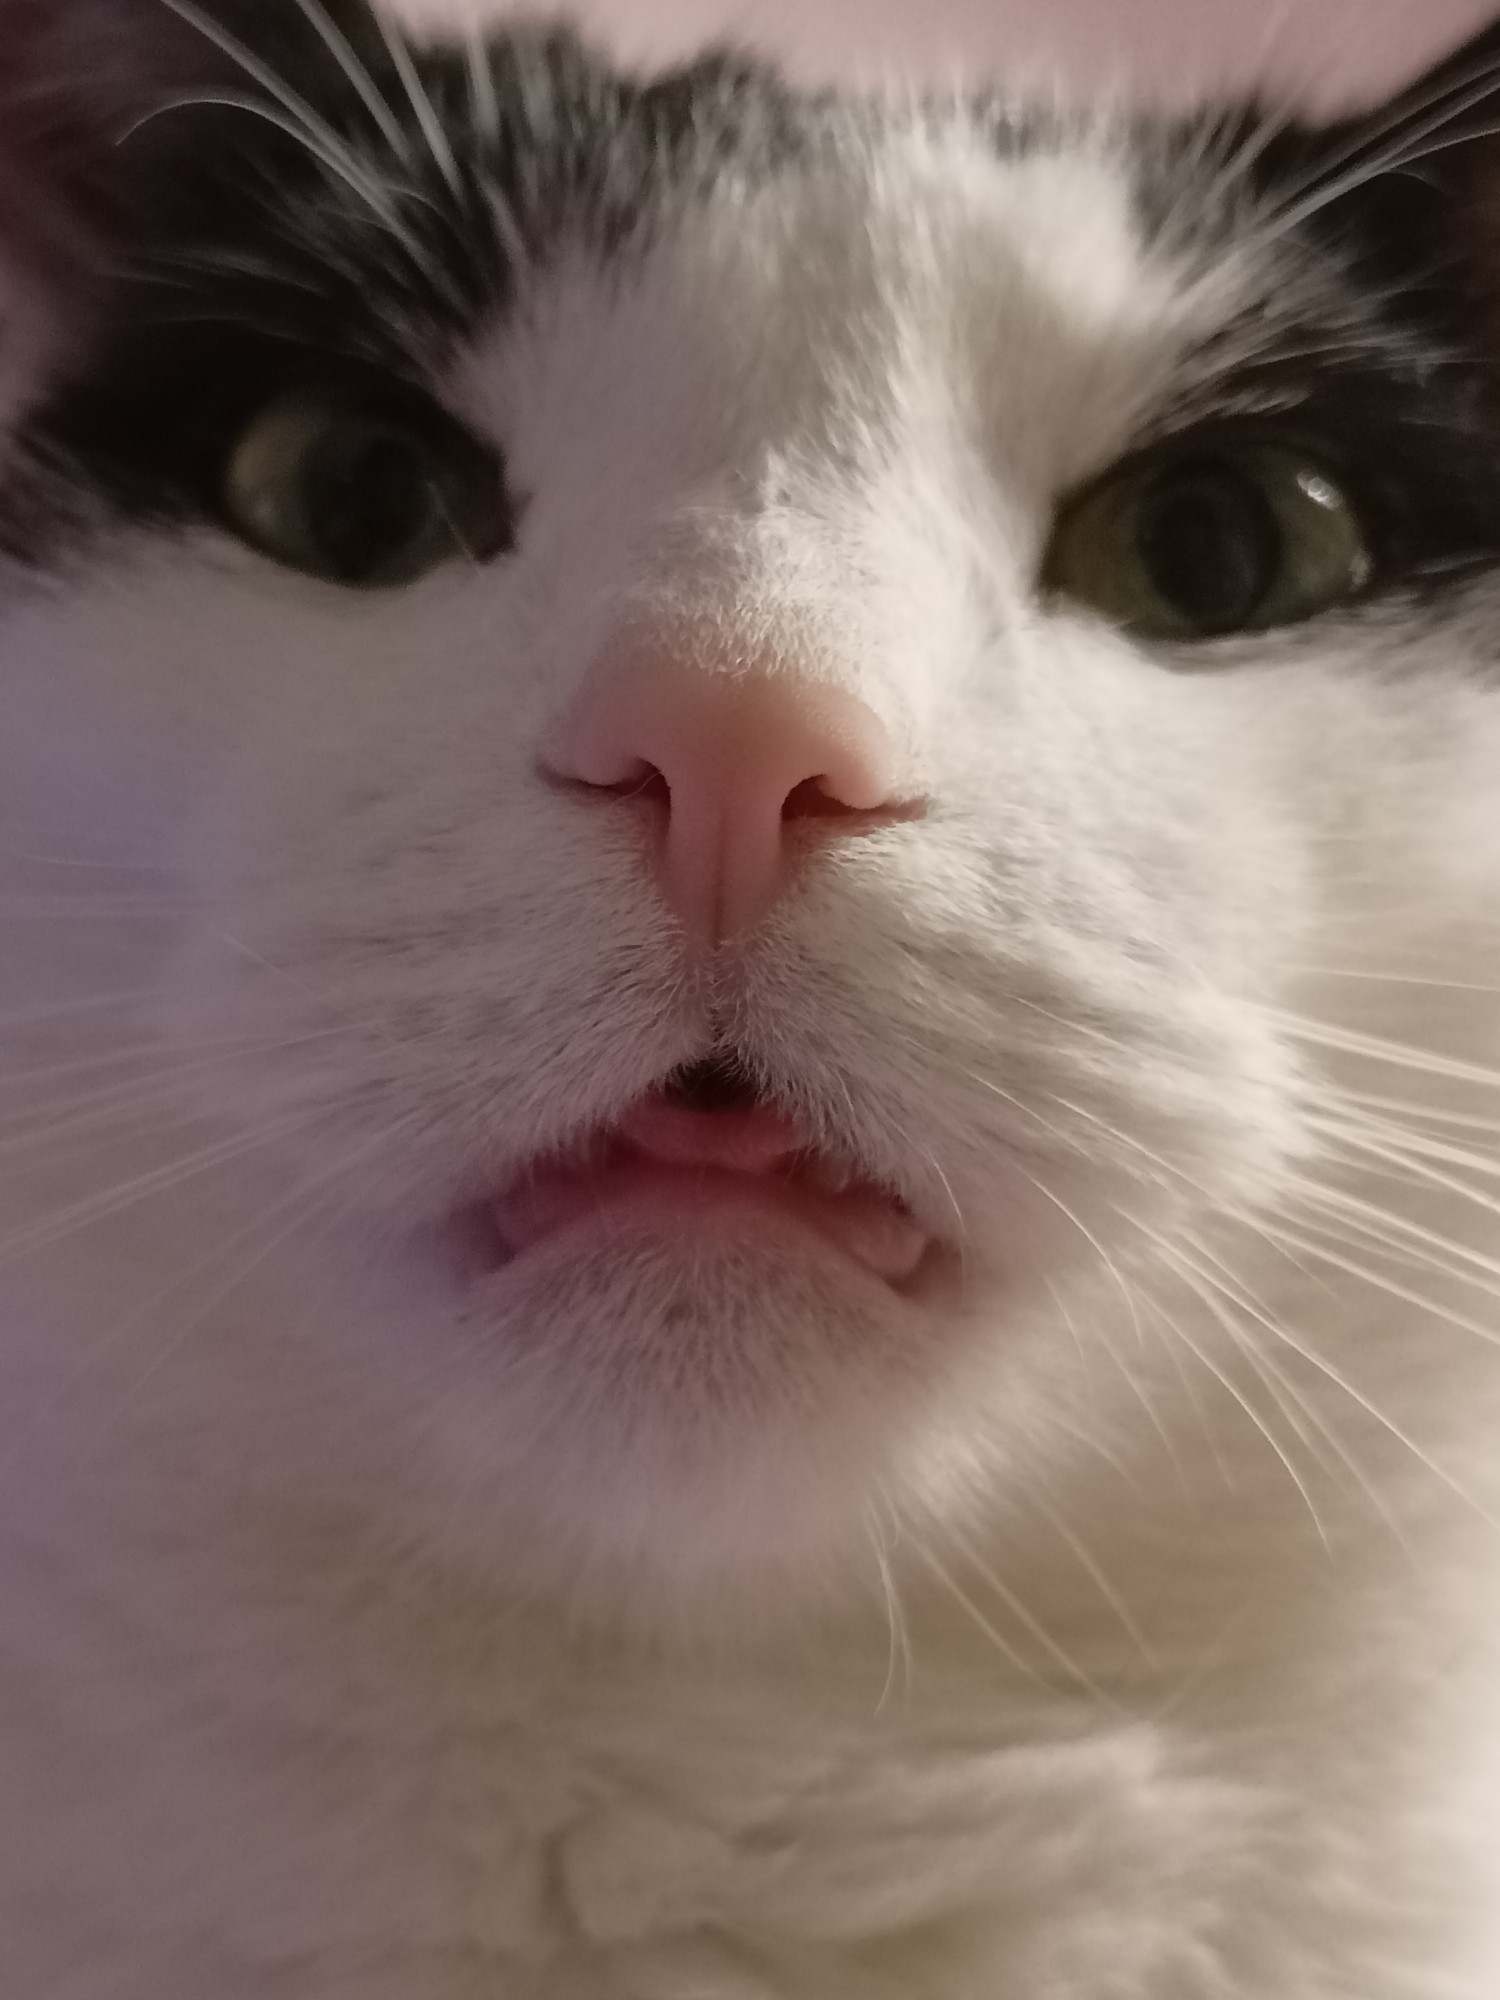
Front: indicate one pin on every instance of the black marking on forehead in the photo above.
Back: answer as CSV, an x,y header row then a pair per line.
x,y
364,246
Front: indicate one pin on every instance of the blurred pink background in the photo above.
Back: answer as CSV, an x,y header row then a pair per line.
x,y
1319,52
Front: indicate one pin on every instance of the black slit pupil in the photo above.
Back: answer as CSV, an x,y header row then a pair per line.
x,y
1210,544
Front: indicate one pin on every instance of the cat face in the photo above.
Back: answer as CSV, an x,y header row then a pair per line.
x,y
759,712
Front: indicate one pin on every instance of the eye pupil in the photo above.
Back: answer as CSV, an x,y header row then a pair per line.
x,y
1210,544
370,494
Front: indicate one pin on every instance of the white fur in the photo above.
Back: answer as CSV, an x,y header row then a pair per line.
x,y
621,1632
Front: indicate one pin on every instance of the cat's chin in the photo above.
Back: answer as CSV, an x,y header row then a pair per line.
x,y
674,1407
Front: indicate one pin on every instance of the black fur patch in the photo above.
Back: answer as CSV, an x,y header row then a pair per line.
x,y
292,231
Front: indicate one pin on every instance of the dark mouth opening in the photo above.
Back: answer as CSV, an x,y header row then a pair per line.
x,y
717,1083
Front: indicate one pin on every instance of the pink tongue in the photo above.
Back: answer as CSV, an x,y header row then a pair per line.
x,y
742,1142
682,1162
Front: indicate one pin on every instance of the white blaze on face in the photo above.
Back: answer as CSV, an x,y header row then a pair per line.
x,y
808,441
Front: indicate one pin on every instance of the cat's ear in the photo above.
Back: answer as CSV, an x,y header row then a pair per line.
x,y
1410,189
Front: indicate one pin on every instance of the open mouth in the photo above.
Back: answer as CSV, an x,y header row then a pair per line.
x,y
703,1153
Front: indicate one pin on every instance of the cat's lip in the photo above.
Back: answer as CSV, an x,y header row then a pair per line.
x,y
666,1166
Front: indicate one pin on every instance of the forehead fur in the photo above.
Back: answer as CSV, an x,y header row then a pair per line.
x,y
907,299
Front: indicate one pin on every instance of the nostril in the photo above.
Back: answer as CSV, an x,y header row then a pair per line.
x,y
814,798
811,799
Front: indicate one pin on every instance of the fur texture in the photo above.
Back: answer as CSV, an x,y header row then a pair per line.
x,y
1112,1615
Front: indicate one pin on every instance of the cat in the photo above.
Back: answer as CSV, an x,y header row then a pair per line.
x,y
748,1029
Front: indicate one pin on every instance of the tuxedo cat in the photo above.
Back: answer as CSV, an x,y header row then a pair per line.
x,y
749,1030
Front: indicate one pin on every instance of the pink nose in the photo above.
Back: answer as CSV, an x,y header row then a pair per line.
x,y
732,760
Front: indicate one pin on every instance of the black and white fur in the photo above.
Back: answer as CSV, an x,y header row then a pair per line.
x,y
1116,1619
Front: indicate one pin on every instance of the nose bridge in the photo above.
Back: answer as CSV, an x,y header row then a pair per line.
x,y
741,748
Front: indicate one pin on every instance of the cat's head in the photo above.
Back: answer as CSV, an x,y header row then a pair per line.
x,y
763,708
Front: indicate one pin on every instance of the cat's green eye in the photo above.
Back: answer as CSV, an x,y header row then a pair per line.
x,y
1204,544
361,494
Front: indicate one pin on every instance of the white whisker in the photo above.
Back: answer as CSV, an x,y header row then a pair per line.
x,y
369,190
1311,1236
107,1104
22,1077
1028,1621
986,1625
1396,978
1412,1155
1363,1225
1450,99
1335,1375
110,1201
1087,1562
1377,1048
1233,1390
899,1647
431,126
311,1185
482,97
1306,1423
299,119
1406,1109
339,48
